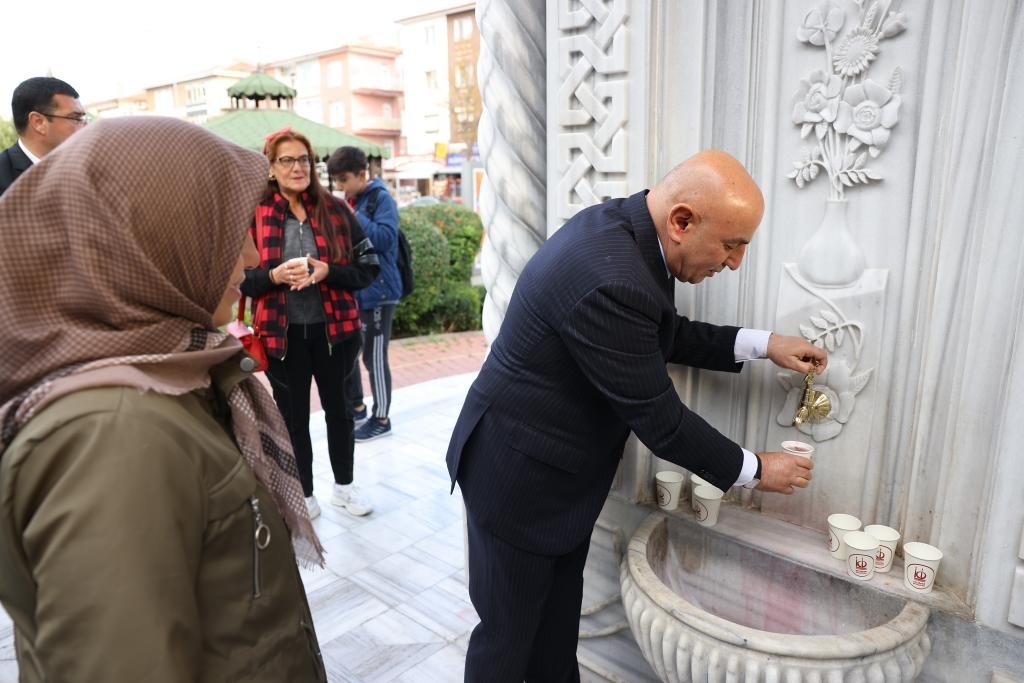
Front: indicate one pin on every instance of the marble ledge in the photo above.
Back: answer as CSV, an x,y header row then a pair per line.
x,y
808,548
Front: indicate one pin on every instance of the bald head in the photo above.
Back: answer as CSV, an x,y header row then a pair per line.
x,y
705,201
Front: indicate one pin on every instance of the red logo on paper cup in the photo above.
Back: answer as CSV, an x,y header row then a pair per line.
x,y
663,495
881,556
702,511
919,575
859,564
833,541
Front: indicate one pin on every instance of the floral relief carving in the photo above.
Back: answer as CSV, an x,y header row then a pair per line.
x,y
844,109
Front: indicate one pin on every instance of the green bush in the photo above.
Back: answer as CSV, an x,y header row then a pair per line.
x,y
460,308
430,263
464,231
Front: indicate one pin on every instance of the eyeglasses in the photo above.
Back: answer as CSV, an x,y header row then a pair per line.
x,y
78,119
288,162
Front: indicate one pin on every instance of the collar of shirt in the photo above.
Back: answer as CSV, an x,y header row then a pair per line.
x,y
32,157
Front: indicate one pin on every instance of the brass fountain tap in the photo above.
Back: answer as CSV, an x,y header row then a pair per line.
x,y
814,406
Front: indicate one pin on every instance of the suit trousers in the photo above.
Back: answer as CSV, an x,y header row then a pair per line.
x,y
529,609
308,355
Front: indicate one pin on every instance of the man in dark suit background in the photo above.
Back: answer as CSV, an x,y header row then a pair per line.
x,y
578,364
46,112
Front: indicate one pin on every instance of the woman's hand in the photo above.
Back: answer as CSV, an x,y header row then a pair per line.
x,y
290,273
318,272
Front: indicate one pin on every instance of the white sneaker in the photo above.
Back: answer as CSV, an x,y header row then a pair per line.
x,y
312,507
352,499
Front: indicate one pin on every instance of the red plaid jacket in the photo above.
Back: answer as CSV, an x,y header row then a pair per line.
x,y
270,319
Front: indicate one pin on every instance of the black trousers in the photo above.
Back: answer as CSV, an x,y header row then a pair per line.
x,y
376,336
529,608
309,355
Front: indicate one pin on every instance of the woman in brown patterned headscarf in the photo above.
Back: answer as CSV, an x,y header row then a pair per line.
x,y
147,488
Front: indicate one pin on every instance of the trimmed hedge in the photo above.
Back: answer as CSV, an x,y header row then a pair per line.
x,y
444,239
462,228
430,261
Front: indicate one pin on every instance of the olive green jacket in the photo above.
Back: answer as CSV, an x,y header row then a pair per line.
x,y
127,550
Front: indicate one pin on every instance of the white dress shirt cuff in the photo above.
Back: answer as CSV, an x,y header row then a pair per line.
x,y
751,344
749,468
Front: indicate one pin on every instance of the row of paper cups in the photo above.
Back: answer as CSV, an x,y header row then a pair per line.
x,y
705,498
871,551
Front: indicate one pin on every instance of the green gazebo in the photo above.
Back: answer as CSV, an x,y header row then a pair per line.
x,y
257,87
248,127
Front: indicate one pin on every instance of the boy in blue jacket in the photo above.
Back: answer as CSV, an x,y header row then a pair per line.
x,y
378,215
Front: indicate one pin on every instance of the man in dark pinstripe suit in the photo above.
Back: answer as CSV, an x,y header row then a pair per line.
x,y
578,364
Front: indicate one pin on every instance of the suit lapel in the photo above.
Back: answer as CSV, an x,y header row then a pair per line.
x,y
19,160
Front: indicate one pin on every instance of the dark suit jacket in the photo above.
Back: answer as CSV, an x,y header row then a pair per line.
x,y
579,363
13,163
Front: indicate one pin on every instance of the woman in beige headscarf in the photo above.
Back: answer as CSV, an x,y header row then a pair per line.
x,y
148,495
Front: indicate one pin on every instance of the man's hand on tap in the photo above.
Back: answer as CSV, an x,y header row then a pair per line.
x,y
796,353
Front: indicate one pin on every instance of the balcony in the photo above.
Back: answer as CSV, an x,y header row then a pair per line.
x,y
376,125
384,87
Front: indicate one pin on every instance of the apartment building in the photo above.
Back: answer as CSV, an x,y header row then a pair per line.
x,y
354,88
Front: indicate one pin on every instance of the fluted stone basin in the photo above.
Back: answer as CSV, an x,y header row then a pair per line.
x,y
705,608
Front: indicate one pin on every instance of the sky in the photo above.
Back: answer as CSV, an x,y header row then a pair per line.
x,y
108,48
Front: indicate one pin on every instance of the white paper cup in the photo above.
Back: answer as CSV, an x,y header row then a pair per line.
x,y
695,481
304,260
838,525
920,564
860,561
707,499
798,448
667,485
887,540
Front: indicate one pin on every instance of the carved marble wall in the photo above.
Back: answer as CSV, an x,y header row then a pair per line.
x,y
635,86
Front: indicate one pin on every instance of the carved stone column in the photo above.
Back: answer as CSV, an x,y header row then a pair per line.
x,y
512,137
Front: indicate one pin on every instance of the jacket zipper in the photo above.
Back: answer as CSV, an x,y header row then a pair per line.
x,y
260,541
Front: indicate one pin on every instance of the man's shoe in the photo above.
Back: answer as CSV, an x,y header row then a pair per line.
x,y
359,415
373,429
312,507
354,501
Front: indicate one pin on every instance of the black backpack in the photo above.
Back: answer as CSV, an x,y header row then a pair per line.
x,y
404,260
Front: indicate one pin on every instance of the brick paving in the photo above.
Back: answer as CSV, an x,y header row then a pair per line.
x,y
419,359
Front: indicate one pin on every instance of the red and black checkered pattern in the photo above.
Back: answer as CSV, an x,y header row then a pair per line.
x,y
271,316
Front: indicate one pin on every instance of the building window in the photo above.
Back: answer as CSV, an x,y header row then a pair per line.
x,y
431,77
385,110
431,124
463,29
389,145
335,74
429,35
337,114
195,94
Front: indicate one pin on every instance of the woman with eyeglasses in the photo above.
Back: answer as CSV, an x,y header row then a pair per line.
x,y
313,254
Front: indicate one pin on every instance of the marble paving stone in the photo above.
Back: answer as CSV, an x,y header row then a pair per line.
x,y
419,481
328,526
380,649
445,548
397,578
410,521
340,606
315,578
348,553
444,666
442,611
384,535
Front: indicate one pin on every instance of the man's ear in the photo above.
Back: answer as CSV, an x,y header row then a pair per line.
x,y
682,219
37,122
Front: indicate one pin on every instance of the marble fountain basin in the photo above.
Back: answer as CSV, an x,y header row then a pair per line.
x,y
704,607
